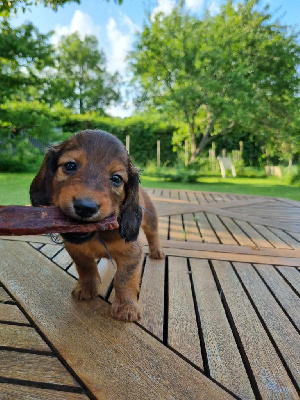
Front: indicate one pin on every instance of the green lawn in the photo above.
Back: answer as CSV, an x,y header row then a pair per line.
x,y
14,188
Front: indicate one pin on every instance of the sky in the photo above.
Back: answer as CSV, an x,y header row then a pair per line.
x,y
115,26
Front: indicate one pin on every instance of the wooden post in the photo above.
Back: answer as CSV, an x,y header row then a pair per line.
x,y
241,146
186,153
127,143
158,154
291,157
223,152
213,155
267,156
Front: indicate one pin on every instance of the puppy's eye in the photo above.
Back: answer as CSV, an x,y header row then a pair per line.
x,y
70,166
116,180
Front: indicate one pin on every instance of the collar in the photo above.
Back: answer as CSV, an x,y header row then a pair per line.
x,y
78,238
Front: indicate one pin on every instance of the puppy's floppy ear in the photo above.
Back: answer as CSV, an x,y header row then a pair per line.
x,y
41,187
131,216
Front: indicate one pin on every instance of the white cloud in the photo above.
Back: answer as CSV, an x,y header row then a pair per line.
x,y
163,6
122,111
213,8
194,5
81,23
121,36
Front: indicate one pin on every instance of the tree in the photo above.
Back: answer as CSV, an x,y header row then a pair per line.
x,y
81,81
24,53
236,69
7,7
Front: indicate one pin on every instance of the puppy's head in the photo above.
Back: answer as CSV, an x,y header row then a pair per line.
x,y
90,177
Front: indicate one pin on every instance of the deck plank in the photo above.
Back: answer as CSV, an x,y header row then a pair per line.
x,y
110,357
271,237
39,368
11,313
183,333
236,232
50,250
284,294
191,229
224,235
208,234
176,228
292,276
282,331
255,236
21,337
270,375
10,391
63,259
152,297
163,227
225,363
4,297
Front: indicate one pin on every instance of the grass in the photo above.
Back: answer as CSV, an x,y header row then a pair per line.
x,y
14,187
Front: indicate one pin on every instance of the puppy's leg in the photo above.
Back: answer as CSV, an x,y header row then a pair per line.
x,y
150,227
88,285
127,285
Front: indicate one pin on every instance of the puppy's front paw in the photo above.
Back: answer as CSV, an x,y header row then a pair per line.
x,y
157,253
87,289
127,311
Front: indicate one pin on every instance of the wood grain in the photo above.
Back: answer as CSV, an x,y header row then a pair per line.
x,y
282,331
63,259
11,313
292,276
223,234
21,337
208,234
191,228
176,228
236,231
151,297
51,249
34,368
10,392
115,360
285,295
183,331
270,375
225,362
293,262
4,297
255,236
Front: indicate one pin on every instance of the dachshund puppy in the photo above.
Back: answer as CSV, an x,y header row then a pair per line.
x,y
90,177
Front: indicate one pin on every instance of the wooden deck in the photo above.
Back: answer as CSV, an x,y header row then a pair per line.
x,y
221,314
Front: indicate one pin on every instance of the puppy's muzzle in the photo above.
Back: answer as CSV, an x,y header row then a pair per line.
x,y
85,208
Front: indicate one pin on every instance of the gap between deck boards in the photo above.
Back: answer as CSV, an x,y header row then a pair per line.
x,y
113,359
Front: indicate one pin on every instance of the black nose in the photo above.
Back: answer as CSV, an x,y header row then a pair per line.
x,y
85,208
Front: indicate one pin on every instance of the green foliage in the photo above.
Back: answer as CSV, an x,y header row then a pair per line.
x,y
8,7
143,131
80,80
20,123
294,179
24,53
235,70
